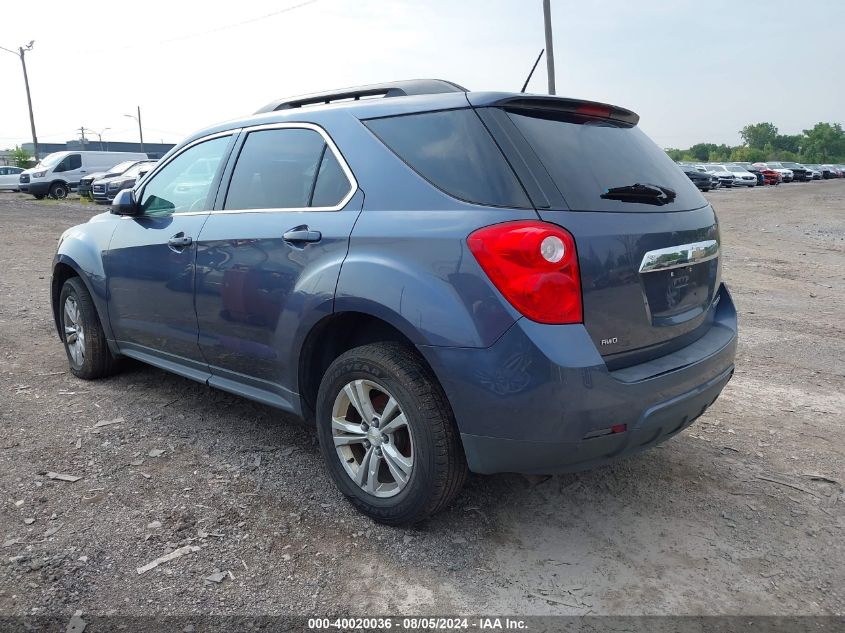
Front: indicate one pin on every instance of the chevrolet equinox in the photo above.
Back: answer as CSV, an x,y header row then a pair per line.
x,y
444,281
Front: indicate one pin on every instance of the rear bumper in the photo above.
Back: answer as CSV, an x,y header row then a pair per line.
x,y
541,400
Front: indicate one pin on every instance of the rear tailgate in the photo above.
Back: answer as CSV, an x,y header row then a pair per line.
x,y
649,263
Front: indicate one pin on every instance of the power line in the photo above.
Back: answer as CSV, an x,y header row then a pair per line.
x,y
217,29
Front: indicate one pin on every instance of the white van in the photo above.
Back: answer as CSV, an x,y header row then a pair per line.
x,y
58,172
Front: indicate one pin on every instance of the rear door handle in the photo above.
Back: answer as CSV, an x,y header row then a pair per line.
x,y
179,241
301,234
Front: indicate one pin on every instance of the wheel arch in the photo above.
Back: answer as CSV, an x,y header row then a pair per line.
x,y
65,267
59,181
337,333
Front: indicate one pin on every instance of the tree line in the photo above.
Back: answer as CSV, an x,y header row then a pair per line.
x,y
823,143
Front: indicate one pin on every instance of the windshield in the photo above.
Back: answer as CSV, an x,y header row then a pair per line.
x,y
775,165
716,167
52,160
791,165
587,158
137,169
736,168
122,167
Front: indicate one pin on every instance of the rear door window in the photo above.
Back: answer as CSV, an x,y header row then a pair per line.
x,y
286,168
586,157
453,151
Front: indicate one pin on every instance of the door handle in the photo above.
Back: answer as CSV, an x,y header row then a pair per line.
x,y
301,234
179,241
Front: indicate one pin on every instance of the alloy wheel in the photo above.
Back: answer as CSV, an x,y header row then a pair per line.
x,y
372,438
74,333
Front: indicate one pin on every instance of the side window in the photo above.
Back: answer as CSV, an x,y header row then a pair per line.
x,y
286,168
454,151
332,184
69,163
185,182
4,171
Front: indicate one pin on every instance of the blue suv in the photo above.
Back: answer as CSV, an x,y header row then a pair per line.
x,y
444,281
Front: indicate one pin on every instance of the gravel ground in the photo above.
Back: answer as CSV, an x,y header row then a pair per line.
x,y
743,513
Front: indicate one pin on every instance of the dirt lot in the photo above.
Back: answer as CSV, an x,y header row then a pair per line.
x,y
742,513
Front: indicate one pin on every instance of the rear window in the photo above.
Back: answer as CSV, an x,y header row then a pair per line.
x,y
585,157
454,151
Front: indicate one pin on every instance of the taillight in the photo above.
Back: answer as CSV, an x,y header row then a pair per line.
x,y
534,265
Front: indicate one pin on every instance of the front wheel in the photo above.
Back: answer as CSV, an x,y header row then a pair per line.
x,y
82,334
58,190
388,434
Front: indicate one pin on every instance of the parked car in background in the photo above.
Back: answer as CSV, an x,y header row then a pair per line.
x,y
725,176
462,315
799,171
105,189
785,174
824,170
836,171
10,178
715,183
59,172
770,176
84,188
700,179
742,177
815,170
751,169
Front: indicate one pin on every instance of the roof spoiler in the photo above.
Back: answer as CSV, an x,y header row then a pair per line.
x,y
392,89
573,106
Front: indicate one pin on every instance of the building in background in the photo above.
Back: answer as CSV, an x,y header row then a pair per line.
x,y
153,150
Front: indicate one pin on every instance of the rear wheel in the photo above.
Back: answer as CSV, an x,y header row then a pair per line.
x,y
388,435
58,190
85,343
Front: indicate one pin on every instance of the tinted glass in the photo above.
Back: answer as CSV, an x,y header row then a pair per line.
x,y
275,170
74,161
453,151
185,182
585,157
332,184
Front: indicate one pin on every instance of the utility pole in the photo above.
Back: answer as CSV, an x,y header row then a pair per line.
x,y
140,128
550,53
82,136
21,52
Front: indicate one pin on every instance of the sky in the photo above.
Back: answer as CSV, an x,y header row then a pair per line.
x,y
695,71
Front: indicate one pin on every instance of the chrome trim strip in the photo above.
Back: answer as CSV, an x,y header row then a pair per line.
x,y
353,183
679,256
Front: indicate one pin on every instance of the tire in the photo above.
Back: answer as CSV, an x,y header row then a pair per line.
x,y
92,359
58,191
427,444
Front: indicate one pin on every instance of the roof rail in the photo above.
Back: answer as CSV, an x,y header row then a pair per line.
x,y
392,89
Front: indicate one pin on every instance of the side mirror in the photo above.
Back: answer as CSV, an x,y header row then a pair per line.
x,y
124,203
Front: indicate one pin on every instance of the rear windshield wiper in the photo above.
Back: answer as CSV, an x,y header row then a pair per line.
x,y
639,192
